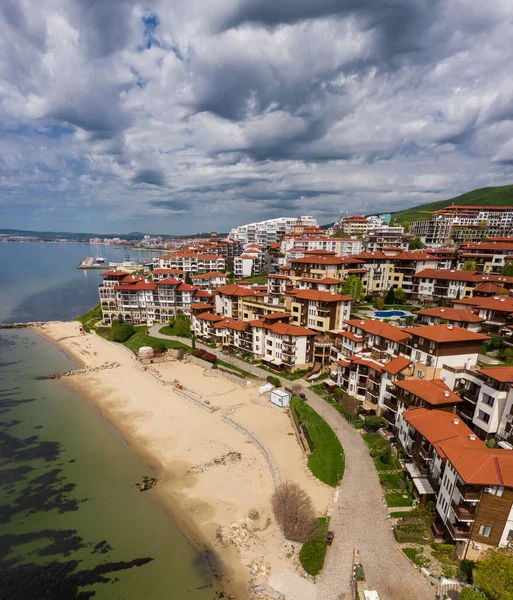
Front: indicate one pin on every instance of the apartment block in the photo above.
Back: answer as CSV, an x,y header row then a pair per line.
x,y
191,262
270,231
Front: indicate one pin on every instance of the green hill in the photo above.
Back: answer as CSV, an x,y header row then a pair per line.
x,y
489,196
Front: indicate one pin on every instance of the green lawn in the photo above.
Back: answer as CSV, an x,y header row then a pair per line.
x,y
393,481
258,279
395,499
286,375
327,461
355,420
90,318
140,338
408,307
313,552
399,514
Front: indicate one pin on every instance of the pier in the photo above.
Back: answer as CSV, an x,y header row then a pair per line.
x,y
91,262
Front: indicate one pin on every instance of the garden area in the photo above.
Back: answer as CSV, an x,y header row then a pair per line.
x,y
346,405
497,350
178,327
398,492
326,460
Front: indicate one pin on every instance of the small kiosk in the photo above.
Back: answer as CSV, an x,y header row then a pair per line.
x,y
280,398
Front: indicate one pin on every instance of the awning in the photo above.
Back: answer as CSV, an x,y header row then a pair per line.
x,y
420,482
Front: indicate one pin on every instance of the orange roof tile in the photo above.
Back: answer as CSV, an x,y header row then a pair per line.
x,y
231,324
440,427
501,374
209,275
321,296
209,317
481,465
385,330
432,391
201,306
396,365
444,334
451,314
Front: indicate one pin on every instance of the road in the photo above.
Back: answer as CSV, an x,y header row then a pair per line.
x,y
359,517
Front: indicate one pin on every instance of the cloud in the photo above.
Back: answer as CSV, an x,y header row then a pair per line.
x,y
191,115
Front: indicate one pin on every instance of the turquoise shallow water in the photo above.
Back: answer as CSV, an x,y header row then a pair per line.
x,y
72,522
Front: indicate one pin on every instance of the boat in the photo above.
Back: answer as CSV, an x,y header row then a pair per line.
x,y
99,260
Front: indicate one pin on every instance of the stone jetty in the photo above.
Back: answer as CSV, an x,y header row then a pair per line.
x,y
107,365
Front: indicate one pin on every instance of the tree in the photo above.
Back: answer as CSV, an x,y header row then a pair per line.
x,y
493,574
188,278
159,345
182,327
353,287
415,244
293,510
400,296
507,269
470,265
390,297
122,331
373,423
379,303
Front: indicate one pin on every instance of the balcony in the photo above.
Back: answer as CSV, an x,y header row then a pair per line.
x,y
390,403
464,512
426,453
469,493
458,533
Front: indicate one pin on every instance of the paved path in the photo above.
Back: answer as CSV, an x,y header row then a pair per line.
x,y
359,517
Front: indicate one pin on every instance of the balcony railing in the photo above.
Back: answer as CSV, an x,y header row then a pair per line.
x,y
458,533
390,403
469,494
463,512
426,453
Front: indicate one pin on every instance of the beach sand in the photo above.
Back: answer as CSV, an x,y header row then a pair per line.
x,y
180,440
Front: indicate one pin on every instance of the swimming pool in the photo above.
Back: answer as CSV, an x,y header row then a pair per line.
x,y
387,314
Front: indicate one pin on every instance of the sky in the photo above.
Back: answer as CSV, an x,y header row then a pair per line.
x,y
180,116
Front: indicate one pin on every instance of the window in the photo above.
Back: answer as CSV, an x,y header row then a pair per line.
x,y
497,490
319,323
487,399
485,530
509,538
482,416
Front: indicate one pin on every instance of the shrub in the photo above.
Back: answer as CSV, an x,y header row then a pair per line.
x,y
444,547
312,555
386,455
359,573
496,342
273,381
122,331
466,569
470,594
199,353
211,358
171,322
373,423
159,346
379,303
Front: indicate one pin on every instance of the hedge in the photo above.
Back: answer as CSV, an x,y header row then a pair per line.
x,y
274,381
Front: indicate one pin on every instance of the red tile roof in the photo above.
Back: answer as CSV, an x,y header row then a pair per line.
x,y
231,324
318,260
469,276
360,360
440,428
209,317
201,306
168,272
385,330
203,294
396,365
496,303
432,391
114,273
139,285
169,281
482,466
325,281
351,336
321,296
446,333
463,315
186,287
501,374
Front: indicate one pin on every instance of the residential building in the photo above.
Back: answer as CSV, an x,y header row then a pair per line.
x,y
209,281
436,346
338,246
318,310
136,300
489,257
270,231
191,262
246,302
487,395
497,311
436,285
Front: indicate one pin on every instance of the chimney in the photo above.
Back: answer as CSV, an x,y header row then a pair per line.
x,y
472,437
456,421
449,326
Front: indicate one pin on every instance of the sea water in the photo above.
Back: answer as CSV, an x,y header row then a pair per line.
x,y
73,523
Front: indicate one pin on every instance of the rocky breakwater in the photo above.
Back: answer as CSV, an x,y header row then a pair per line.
x,y
107,365
23,325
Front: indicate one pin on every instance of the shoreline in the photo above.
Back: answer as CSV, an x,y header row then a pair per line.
x,y
229,576
211,477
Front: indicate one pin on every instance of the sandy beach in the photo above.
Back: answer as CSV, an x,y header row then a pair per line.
x,y
211,476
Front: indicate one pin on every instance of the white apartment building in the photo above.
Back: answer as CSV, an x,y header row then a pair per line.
x,y
340,246
191,262
270,231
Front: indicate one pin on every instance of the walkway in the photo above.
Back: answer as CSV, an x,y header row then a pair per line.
x,y
359,517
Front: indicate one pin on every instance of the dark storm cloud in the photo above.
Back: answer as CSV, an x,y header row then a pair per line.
x,y
232,110
150,176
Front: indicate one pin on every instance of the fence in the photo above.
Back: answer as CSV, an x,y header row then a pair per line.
x,y
191,398
275,474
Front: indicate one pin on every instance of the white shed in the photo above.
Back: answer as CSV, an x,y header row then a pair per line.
x,y
280,398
